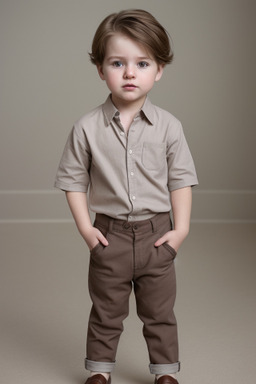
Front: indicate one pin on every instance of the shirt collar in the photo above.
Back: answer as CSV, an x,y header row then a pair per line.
x,y
148,110
110,111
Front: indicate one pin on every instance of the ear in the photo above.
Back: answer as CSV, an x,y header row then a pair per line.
x,y
100,71
159,72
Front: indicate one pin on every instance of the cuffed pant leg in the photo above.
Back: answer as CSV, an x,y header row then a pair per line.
x,y
110,287
155,290
97,366
164,369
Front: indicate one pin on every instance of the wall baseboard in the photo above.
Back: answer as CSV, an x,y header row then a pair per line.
x,y
50,206
224,206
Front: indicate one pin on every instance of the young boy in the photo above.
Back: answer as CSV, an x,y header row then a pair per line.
x,y
135,159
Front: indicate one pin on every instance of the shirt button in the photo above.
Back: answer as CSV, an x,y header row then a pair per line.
x,y
133,197
132,173
130,151
121,133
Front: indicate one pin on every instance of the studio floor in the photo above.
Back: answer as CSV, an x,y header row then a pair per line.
x,y
45,307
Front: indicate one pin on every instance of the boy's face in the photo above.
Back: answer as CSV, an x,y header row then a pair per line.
x,y
128,70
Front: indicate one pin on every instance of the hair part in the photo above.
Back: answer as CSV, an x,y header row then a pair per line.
x,y
138,25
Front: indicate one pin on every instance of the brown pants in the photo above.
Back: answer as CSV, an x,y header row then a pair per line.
x,y
132,261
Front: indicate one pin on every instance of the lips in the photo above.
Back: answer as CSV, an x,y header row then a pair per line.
x,y
129,86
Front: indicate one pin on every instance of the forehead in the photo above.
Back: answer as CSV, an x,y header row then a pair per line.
x,y
122,45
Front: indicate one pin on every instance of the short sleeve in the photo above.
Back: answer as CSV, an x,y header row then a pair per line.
x,y
74,169
181,168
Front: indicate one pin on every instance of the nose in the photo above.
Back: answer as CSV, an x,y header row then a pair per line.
x,y
129,72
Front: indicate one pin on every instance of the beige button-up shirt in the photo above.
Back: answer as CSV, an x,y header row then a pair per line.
x,y
128,176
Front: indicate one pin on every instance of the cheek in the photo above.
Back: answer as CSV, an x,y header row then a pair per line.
x,y
111,79
148,80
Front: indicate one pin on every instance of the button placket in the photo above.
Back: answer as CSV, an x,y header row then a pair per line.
x,y
130,174
131,178
117,126
132,149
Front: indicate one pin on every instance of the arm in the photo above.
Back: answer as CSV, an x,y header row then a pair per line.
x,y
181,200
78,205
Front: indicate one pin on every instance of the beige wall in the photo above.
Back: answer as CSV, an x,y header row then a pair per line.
x,y
47,82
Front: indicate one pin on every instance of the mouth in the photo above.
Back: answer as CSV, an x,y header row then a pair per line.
x,y
129,86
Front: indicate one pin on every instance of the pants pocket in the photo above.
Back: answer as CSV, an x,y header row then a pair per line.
x,y
95,248
170,249
166,254
99,246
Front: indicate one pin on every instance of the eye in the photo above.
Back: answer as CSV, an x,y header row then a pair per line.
x,y
143,64
117,64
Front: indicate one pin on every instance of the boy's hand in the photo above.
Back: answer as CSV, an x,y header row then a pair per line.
x,y
174,238
93,236
78,205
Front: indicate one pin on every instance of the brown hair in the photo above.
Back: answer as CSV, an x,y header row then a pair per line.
x,y
140,26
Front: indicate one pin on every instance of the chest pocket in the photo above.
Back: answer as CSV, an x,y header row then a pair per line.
x,y
153,155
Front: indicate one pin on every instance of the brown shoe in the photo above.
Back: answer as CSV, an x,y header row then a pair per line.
x,y
98,379
166,380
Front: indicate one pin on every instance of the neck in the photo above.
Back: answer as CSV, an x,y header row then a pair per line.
x,y
128,108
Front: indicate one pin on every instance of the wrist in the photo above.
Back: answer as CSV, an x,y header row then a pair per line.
x,y
181,232
86,231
